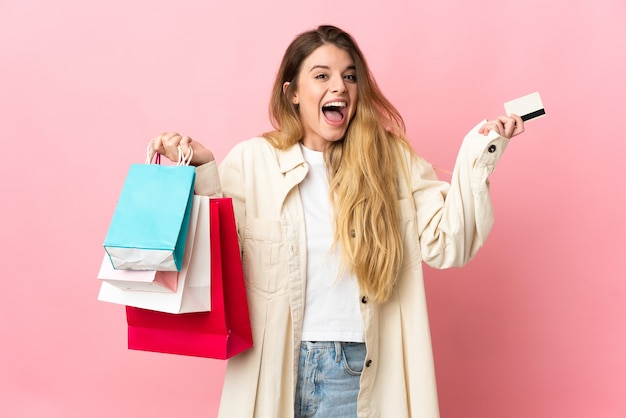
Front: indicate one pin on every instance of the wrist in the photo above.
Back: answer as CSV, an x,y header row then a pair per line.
x,y
201,157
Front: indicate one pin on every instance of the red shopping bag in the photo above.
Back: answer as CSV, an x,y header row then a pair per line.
x,y
219,334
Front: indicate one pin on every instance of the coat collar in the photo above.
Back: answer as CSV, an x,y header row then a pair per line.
x,y
290,158
293,167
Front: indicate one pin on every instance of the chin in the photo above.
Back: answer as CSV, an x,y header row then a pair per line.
x,y
336,136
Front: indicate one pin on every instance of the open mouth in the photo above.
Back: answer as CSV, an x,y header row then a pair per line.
x,y
335,112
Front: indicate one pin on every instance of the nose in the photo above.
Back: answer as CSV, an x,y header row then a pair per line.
x,y
338,85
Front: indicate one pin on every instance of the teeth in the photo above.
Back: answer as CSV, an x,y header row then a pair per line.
x,y
335,104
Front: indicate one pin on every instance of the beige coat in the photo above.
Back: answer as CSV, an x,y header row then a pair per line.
x,y
444,225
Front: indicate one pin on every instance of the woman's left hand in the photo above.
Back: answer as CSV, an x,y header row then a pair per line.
x,y
167,144
506,126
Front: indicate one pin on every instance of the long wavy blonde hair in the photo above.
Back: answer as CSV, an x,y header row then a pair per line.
x,y
362,168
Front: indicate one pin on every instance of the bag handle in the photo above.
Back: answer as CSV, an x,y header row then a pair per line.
x,y
183,160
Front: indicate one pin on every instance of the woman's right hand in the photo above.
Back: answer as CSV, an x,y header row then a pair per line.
x,y
167,145
506,126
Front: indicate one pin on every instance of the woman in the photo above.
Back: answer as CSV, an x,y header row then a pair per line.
x,y
335,215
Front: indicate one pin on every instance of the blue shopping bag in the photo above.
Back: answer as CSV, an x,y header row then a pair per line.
x,y
149,227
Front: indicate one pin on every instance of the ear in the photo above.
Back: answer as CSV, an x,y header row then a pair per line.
x,y
294,98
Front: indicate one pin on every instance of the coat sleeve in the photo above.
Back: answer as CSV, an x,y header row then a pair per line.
x,y
454,219
207,180
225,181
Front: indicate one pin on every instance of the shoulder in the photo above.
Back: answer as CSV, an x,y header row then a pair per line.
x,y
257,147
252,154
256,144
409,160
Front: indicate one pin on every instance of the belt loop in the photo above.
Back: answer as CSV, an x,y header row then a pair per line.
x,y
338,352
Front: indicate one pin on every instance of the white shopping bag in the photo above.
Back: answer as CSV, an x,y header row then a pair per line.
x,y
139,280
193,293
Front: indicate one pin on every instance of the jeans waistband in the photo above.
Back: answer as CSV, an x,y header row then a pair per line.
x,y
327,344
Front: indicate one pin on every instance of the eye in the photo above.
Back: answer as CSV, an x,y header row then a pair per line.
x,y
321,76
350,77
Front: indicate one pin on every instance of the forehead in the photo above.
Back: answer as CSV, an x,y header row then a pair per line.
x,y
328,56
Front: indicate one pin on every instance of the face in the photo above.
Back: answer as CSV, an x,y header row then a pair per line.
x,y
326,93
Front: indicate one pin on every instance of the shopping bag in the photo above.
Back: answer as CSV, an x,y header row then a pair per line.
x,y
149,225
193,293
219,334
138,280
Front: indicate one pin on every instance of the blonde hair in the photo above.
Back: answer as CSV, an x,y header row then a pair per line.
x,y
362,168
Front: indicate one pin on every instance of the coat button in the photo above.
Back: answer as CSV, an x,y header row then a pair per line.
x,y
492,148
364,299
368,363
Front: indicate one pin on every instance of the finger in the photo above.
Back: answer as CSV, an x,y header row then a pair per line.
x,y
519,125
508,126
497,127
485,128
162,142
156,143
162,138
172,139
166,145
185,144
185,141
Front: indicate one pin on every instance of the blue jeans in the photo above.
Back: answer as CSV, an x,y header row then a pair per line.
x,y
328,379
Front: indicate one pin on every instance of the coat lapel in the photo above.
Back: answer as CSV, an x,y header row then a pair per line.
x,y
293,167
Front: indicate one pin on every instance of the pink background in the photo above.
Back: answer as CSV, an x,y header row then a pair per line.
x,y
533,327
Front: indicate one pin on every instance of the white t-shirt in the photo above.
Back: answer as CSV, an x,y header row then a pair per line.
x,y
331,311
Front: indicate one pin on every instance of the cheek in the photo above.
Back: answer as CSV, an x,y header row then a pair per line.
x,y
308,114
354,98
354,108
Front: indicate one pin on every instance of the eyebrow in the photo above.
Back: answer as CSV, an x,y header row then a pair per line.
x,y
326,67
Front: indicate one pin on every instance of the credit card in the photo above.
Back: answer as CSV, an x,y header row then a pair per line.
x,y
527,107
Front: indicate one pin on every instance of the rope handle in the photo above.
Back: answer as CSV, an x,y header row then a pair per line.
x,y
183,160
